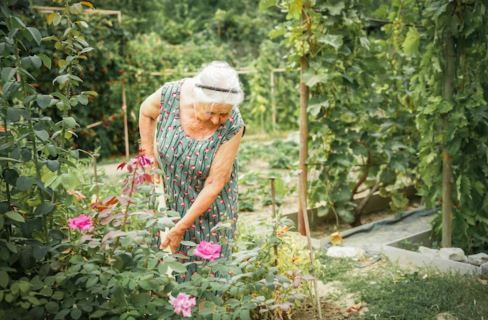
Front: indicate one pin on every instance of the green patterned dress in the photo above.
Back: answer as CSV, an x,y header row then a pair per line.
x,y
186,164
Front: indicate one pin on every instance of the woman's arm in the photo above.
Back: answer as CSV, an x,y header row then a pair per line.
x,y
148,115
219,175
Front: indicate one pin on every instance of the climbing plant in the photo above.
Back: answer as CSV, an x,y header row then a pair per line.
x,y
450,87
361,124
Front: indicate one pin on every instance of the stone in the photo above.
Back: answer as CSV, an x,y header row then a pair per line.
x,y
445,316
478,259
434,253
484,270
345,252
455,254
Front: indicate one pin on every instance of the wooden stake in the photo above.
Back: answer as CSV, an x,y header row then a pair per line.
x,y
303,201
273,103
449,76
303,154
275,218
126,125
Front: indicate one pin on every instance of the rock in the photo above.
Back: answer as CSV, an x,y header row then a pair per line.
x,y
478,259
434,253
345,252
456,254
445,316
484,270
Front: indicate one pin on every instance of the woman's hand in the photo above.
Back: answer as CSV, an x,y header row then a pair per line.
x,y
173,238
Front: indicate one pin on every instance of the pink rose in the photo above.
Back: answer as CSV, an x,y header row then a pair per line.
x,y
81,222
208,250
182,304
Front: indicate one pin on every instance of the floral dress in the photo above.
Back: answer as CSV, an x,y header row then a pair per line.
x,y
186,163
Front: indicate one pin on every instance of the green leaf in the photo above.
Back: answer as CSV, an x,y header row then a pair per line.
x,y
14,114
36,35
189,243
8,73
58,295
52,307
52,165
85,50
4,278
245,315
10,175
176,266
332,40
69,123
43,100
82,99
24,183
45,60
265,4
62,79
411,43
75,313
91,282
335,9
295,9
39,252
98,314
42,134
36,61
14,216
44,208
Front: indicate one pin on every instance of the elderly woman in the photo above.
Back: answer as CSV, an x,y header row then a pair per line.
x,y
198,129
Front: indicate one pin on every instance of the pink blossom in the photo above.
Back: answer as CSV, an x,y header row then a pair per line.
x,y
208,250
182,304
143,160
81,222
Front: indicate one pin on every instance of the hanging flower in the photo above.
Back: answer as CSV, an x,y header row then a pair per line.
x,y
182,304
281,232
208,250
81,222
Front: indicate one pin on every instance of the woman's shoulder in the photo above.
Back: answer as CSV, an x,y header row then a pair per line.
x,y
233,125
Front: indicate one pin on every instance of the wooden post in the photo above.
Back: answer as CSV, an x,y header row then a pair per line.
x,y
449,76
273,102
275,218
303,153
126,126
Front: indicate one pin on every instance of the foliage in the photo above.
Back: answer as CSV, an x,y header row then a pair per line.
x,y
36,151
116,269
457,124
254,183
361,127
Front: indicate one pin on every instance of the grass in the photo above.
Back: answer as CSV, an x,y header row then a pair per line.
x,y
393,293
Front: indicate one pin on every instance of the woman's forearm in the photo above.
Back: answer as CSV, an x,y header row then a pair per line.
x,y
147,125
203,201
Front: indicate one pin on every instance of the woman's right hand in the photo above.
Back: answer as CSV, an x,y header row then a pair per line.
x,y
173,238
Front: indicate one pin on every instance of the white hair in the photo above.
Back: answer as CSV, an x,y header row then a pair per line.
x,y
217,82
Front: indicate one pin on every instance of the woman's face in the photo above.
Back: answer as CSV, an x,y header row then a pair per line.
x,y
216,113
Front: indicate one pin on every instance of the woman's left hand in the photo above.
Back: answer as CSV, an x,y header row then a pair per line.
x,y
173,238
